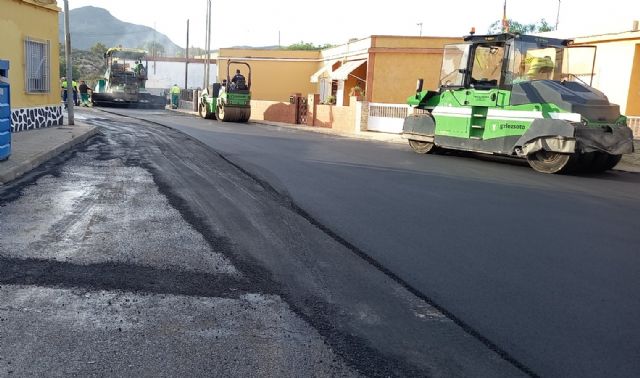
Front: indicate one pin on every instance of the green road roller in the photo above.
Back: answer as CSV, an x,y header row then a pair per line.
x,y
229,101
523,96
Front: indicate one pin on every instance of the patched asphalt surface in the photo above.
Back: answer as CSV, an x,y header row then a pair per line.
x,y
543,268
145,253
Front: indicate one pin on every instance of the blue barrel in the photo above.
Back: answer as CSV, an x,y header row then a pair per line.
x,y
5,111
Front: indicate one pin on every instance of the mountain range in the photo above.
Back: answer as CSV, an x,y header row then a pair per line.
x,y
90,25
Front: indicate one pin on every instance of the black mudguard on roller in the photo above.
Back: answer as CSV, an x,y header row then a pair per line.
x,y
567,137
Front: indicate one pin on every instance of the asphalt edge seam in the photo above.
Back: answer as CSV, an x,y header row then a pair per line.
x,y
287,200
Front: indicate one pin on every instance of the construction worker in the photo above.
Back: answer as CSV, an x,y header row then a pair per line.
x,y
223,87
138,68
540,68
175,96
74,86
63,90
238,81
84,93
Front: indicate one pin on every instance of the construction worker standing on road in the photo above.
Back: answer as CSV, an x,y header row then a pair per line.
x,y
74,86
175,96
63,90
84,93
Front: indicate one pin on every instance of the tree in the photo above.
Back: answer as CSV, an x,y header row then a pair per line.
x,y
75,72
98,49
516,27
154,48
307,46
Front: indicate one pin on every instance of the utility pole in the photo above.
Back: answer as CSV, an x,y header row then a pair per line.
x,y
505,21
186,55
558,15
154,49
207,46
67,57
420,25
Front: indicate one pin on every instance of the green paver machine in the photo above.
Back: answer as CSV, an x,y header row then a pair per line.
x,y
230,102
523,96
123,84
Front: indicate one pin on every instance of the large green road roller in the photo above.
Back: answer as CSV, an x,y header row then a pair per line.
x,y
522,96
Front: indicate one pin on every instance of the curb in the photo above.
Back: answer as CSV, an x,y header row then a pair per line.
x,y
627,165
42,157
319,130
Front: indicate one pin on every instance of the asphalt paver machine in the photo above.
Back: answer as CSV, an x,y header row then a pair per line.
x,y
124,81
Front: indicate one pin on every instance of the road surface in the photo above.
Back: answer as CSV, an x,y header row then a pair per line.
x,y
543,267
146,253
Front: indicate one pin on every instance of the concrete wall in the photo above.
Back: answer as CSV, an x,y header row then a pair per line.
x,y
275,111
340,118
276,74
395,63
21,19
168,73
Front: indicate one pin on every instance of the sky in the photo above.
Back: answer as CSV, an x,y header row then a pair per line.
x,y
259,22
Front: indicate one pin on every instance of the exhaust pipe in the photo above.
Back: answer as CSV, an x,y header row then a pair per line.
x,y
419,85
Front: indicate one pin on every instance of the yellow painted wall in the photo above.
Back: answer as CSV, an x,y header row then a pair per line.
x,y
353,80
412,42
395,72
275,74
616,62
18,20
633,97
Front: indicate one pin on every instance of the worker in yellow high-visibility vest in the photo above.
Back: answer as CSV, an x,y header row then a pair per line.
x,y
175,96
63,90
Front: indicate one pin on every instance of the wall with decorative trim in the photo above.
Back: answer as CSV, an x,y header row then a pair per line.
x,y
36,118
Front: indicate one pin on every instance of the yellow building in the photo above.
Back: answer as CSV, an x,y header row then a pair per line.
x,y
275,74
383,68
29,30
617,68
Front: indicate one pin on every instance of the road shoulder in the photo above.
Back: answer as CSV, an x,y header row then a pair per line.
x,y
32,148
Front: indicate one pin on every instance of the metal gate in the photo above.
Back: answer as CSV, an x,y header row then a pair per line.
x,y
301,110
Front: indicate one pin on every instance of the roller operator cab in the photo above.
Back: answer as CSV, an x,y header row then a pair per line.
x,y
522,96
229,101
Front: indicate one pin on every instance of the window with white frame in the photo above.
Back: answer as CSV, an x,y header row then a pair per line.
x,y
37,58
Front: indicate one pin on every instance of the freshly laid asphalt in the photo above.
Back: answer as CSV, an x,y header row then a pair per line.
x,y
538,271
542,268
145,253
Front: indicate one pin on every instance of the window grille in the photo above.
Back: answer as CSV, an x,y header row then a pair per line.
x,y
37,77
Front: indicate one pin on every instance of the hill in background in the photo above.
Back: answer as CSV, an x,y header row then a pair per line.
x,y
91,25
